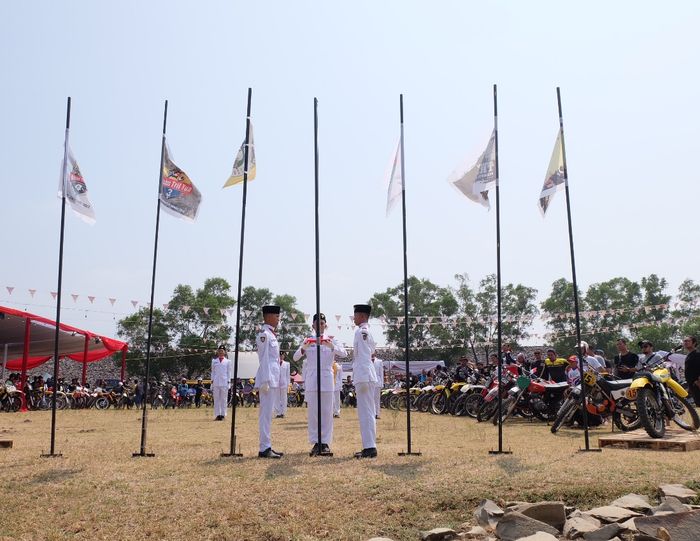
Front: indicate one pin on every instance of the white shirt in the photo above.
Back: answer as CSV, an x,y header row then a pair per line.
x,y
594,363
379,370
221,372
339,376
362,366
328,354
269,357
284,374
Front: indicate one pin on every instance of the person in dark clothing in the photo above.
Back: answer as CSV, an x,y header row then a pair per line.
x,y
198,389
692,367
625,361
554,367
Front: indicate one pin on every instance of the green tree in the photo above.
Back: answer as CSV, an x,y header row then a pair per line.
x,y
559,315
687,312
133,329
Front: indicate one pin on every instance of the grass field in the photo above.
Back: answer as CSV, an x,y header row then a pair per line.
x,y
187,491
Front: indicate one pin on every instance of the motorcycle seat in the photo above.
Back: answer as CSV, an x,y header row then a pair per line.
x,y
617,384
554,386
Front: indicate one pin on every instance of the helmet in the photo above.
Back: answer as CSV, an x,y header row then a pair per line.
x,y
251,381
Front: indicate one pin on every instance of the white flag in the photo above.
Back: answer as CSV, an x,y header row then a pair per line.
x,y
239,163
477,181
73,185
555,179
394,181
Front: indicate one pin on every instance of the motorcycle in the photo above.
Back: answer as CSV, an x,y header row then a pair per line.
x,y
10,398
533,396
489,406
659,398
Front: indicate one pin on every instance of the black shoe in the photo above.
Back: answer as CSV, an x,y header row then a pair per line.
x,y
370,452
268,453
376,416
315,450
336,416
280,453
279,416
325,448
219,418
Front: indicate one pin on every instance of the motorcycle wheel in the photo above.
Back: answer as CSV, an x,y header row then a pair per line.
x,y
487,410
458,405
507,407
626,422
686,416
61,402
438,405
424,403
565,413
472,404
651,413
101,403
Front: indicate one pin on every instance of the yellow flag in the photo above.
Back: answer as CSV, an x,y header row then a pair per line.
x,y
239,165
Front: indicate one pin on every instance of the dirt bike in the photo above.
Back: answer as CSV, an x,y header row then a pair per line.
x,y
604,398
464,403
10,398
489,405
445,397
533,397
660,398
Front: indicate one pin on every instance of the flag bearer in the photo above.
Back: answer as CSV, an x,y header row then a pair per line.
x,y
365,378
220,382
268,377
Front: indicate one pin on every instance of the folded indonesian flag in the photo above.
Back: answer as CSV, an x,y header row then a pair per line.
x,y
312,340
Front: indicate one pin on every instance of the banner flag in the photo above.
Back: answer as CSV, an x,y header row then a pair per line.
x,y
477,181
178,194
239,164
394,181
555,179
72,184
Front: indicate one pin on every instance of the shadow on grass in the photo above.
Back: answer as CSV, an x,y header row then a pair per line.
x,y
408,470
51,476
511,465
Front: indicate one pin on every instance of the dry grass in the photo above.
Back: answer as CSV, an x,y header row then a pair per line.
x,y
98,491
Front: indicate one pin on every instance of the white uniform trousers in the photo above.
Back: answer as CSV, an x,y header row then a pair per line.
x,y
326,416
366,414
281,404
220,400
377,401
267,404
336,402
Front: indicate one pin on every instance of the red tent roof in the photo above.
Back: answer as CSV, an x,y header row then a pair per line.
x,y
71,340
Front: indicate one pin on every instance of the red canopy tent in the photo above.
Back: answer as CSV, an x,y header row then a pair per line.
x,y
28,340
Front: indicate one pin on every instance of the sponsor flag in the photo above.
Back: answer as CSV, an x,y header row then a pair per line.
x,y
394,181
72,184
239,164
480,178
555,179
178,194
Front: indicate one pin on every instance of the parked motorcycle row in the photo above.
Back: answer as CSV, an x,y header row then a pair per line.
x,y
652,399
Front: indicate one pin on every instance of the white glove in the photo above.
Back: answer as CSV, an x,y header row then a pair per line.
x,y
265,387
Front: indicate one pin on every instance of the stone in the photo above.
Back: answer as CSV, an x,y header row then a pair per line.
x,y
680,526
612,513
670,504
477,532
662,533
635,502
629,525
514,525
579,523
645,537
488,513
682,492
539,536
605,533
552,513
438,534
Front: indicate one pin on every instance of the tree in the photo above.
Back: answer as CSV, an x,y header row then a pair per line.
x,y
559,310
134,330
687,311
428,304
477,318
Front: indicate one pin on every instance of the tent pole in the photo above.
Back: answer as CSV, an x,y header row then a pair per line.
x,y
25,359
4,364
85,353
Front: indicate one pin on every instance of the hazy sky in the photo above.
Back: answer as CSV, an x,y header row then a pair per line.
x,y
629,80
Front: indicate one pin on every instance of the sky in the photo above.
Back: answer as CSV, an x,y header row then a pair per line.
x,y
628,78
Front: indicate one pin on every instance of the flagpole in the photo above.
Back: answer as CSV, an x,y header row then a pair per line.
x,y
234,399
573,278
407,349
318,288
144,413
52,450
499,370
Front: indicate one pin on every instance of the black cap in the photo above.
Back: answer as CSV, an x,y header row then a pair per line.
x,y
323,317
222,346
271,309
363,308
643,343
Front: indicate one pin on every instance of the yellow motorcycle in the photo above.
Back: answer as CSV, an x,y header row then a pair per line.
x,y
660,398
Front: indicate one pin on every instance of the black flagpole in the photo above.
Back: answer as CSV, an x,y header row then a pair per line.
x,y
234,399
405,297
52,452
498,278
317,327
573,277
144,414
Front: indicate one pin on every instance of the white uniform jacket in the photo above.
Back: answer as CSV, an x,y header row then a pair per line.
x,y
379,369
221,372
339,377
329,350
285,376
269,357
362,366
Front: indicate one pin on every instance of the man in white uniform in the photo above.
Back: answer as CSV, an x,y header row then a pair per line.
x,y
379,369
281,406
365,378
267,379
329,349
338,370
220,382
